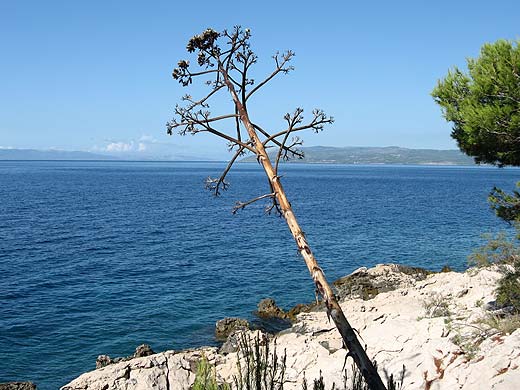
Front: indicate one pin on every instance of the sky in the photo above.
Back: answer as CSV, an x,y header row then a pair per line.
x,y
96,75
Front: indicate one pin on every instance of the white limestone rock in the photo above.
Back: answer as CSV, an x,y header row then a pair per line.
x,y
394,325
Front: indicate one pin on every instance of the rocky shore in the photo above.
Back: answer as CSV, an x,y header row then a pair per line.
x,y
442,328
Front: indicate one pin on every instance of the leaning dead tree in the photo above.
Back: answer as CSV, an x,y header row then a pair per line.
x,y
224,61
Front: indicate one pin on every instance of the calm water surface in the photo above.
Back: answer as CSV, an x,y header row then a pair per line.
x,y
99,257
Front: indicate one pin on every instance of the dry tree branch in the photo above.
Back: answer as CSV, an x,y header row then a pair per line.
x,y
190,120
241,205
201,102
236,44
214,184
283,151
296,153
317,123
292,120
285,58
228,138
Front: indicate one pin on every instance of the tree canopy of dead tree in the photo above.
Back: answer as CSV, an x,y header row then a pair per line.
x,y
223,62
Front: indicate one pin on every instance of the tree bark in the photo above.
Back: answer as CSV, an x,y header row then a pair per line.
x,y
355,349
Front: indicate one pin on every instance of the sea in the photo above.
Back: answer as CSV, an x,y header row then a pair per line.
x,y
99,257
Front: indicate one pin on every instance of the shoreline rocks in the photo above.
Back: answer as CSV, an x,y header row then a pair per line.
x,y
17,386
267,308
366,283
141,351
229,325
432,324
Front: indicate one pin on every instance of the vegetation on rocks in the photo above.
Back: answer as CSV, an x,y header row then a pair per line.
x,y
206,378
355,381
436,305
508,290
504,253
259,368
484,107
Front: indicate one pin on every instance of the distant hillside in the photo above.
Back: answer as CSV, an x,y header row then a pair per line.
x,y
32,154
314,154
380,155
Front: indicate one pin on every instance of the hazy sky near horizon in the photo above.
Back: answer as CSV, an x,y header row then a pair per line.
x,y
96,75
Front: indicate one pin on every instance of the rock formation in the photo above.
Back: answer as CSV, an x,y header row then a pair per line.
x,y
140,351
18,386
226,326
435,325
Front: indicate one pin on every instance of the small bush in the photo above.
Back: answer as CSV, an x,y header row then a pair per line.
x,y
508,290
498,250
205,378
356,381
504,252
503,324
469,344
436,305
318,384
261,369
258,367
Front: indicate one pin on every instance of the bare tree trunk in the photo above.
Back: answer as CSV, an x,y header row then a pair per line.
x,y
355,349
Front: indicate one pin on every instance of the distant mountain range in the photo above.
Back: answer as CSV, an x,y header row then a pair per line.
x,y
57,155
314,154
33,154
380,155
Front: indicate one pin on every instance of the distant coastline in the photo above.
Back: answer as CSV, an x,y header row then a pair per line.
x,y
391,155
65,155
52,155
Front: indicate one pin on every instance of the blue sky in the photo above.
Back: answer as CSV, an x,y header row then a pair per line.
x,y
96,75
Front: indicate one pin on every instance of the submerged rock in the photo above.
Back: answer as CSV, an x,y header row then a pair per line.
x,y
17,386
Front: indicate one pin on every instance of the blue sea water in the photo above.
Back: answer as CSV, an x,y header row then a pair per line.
x,y
99,257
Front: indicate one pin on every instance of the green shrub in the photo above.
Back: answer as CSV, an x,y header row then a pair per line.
x,y
258,367
261,369
498,249
469,344
356,381
504,252
503,324
205,378
436,305
508,290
